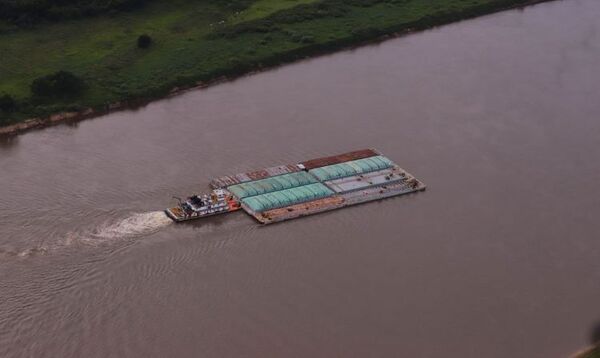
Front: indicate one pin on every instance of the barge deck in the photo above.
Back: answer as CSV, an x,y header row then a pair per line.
x,y
290,191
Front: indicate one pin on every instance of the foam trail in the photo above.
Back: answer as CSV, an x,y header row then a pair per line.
x,y
136,225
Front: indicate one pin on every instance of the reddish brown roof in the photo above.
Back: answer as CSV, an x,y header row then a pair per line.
x,y
340,158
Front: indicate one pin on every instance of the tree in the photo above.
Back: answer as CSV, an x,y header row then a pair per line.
x,y
144,41
7,103
59,84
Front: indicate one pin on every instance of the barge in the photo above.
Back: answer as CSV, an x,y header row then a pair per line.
x,y
290,191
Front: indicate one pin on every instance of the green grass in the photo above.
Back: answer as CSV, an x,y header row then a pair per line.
x,y
263,8
198,41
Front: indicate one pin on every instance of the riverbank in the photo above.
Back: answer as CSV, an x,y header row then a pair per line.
x,y
193,50
592,352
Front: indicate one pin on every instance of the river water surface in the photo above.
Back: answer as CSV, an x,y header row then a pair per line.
x,y
499,116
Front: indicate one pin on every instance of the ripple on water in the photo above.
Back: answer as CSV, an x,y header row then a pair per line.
x,y
133,226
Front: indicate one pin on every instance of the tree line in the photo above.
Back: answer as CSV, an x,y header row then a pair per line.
x,y
24,13
30,12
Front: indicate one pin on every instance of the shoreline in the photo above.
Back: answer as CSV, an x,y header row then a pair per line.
x,y
589,352
293,56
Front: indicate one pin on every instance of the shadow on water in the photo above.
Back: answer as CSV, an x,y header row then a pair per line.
x,y
8,142
593,350
595,334
220,222
217,221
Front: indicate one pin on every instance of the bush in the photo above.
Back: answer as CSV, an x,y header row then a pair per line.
x,y
7,103
144,41
59,84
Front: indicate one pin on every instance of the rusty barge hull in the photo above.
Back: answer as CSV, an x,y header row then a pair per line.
x,y
314,186
333,203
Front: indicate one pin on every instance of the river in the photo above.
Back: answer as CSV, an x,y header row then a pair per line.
x,y
499,116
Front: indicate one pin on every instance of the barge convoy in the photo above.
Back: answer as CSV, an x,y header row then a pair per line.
x,y
289,191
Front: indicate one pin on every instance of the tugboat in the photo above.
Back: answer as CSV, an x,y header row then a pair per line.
x,y
219,201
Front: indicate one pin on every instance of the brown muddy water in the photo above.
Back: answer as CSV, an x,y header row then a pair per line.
x,y
499,116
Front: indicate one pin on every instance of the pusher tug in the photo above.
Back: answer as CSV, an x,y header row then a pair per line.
x,y
219,201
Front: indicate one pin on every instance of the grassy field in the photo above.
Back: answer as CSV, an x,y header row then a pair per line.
x,y
263,8
198,41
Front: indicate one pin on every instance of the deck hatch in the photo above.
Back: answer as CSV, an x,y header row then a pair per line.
x,y
269,185
287,197
354,167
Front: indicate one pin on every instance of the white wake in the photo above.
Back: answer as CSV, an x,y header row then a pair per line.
x,y
139,224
